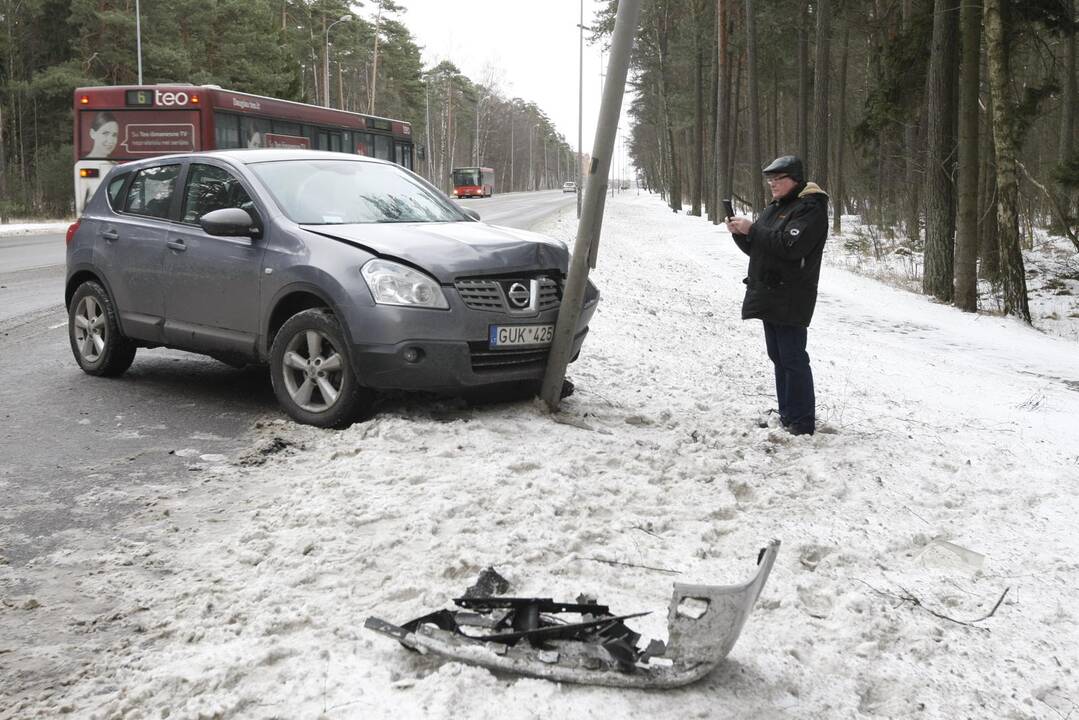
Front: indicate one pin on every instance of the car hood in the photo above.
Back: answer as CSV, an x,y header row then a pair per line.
x,y
452,250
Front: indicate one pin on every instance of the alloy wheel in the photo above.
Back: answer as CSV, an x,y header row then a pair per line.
x,y
91,329
313,371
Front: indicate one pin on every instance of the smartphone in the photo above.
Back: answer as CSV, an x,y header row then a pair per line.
x,y
729,207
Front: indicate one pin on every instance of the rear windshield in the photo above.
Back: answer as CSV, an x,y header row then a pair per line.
x,y
337,192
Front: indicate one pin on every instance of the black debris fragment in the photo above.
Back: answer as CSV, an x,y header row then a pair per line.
x,y
487,584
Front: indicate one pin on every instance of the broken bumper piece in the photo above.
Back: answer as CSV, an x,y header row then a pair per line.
x,y
524,636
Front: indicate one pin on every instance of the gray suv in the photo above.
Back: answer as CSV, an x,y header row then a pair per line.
x,y
345,274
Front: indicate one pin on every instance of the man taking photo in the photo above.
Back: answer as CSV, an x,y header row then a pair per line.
x,y
785,245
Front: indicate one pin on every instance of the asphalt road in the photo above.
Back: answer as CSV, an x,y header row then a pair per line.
x,y
76,451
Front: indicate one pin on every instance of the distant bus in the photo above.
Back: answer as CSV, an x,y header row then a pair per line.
x,y
114,124
473,182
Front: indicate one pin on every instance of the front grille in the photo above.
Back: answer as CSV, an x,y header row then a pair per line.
x,y
490,294
485,359
481,294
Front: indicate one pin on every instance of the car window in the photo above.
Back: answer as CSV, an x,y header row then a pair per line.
x,y
151,191
335,192
116,185
212,188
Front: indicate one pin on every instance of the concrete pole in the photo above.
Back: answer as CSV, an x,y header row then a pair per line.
x,y
580,116
588,228
476,151
138,37
427,153
546,171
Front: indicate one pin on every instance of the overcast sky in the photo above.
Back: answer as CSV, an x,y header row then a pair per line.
x,y
531,44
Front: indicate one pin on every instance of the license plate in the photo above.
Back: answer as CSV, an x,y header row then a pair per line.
x,y
503,336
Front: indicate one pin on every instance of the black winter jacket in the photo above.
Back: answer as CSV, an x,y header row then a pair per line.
x,y
785,246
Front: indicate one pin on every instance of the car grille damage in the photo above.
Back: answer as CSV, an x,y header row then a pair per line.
x,y
496,294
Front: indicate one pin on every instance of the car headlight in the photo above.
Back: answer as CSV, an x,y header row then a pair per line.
x,y
396,284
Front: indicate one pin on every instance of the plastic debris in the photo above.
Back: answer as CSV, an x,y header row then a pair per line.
x,y
530,636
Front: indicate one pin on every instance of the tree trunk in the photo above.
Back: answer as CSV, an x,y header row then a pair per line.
x,y
374,60
698,114
988,245
841,136
1067,104
817,163
756,194
715,211
939,242
910,140
803,82
732,150
675,183
723,102
1066,146
1013,275
966,236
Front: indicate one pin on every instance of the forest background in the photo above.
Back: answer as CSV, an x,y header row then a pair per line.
x,y
276,48
947,127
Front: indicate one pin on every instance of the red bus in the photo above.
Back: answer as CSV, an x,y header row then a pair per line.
x,y
114,124
473,182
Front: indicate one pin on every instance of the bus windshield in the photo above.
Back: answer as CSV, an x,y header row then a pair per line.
x,y
338,192
466,176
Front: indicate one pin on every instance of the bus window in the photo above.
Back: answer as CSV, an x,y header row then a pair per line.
x,y
335,142
346,142
311,133
280,127
383,148
403,154
253,132
226,130
364,144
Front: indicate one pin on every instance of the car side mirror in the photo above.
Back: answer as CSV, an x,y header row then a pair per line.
x,y
471,213
229,222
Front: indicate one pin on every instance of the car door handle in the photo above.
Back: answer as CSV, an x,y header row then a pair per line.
x,y
110,235
177,245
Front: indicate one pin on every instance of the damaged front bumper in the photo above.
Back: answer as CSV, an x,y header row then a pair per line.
x,y
523,637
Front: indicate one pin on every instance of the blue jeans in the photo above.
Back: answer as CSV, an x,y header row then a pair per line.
x,y
794,379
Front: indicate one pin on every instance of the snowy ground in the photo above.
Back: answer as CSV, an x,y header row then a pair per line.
x,y
1051,263
33,228
241,589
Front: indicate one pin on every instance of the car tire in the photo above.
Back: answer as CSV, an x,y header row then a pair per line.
x,y
311,372
93,328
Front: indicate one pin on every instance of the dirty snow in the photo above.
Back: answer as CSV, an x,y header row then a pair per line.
x,y
945,473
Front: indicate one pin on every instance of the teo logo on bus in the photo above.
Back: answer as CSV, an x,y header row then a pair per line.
x,y
168,99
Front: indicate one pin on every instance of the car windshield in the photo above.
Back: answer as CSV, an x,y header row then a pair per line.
x,y
337,192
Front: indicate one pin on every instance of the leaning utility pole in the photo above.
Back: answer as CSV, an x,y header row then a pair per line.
x,y
580,115
595,190
374,64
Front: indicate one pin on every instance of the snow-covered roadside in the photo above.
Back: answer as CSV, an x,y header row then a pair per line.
x,y
241,591
1052,272
33,228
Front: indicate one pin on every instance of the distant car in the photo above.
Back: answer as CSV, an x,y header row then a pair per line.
x,y
344,274
569,187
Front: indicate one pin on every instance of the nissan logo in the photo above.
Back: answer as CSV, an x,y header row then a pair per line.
x,y
518,295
